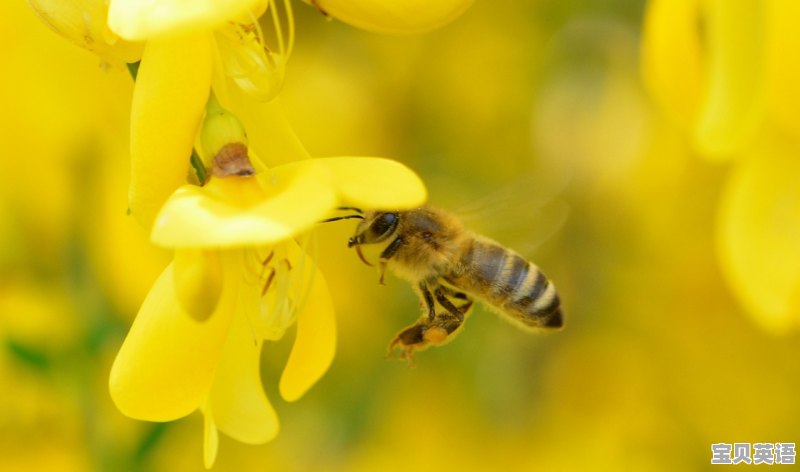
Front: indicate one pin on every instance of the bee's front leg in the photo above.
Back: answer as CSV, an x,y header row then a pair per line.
x,y
387,254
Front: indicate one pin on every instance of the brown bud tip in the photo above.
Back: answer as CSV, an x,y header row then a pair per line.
x,y
232,160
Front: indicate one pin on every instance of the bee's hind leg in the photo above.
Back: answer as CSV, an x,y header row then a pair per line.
x,y
456,312
433,328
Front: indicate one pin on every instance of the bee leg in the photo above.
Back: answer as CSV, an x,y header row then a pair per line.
x,y
428,298
452,320
409,340
417,337
433,328
383,272
387,254
460,296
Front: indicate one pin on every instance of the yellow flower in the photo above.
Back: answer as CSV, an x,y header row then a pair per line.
x,y
241,275
393,16
189,47
732,86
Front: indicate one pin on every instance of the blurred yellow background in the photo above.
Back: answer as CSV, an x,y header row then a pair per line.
x,y
660,356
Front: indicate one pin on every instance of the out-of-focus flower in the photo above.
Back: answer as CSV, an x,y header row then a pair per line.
x,y
239,278
392,16
729,84
703,62
758,233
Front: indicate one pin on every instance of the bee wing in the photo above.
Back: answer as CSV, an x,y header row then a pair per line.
x,y
521,215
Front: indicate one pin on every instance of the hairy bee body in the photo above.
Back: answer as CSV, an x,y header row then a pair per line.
x,y
450,266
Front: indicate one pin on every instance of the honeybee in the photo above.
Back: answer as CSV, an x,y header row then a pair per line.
x,y
450,267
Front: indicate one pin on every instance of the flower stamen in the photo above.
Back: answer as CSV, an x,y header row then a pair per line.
x,y
267,284
267,260
249,61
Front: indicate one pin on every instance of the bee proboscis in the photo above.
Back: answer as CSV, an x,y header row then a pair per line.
x,y
450,267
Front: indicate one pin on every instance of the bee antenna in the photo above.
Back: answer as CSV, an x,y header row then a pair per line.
x,y
357,210
346,217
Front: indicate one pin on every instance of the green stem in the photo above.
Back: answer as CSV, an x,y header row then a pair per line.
x,y
199,167
133,69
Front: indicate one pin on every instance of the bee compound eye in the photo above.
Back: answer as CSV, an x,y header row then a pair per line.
x,y
384,224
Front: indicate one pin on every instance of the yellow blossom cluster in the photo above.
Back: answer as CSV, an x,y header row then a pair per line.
x,y
218,176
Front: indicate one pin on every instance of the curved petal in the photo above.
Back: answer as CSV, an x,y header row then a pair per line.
x,y
275,142
292,200
371,182
783,64
672,57
147,19
393,16
315,343
166,364
168,103
240,406
198,281
210,437
734,100
759,230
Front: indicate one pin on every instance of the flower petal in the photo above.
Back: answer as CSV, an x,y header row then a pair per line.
x,y
223,213
275,142
166,364
783,64
198,281
735,99
147,19
168,103
371,182
210,437
315,344
759,230
672,55
392,16
240,406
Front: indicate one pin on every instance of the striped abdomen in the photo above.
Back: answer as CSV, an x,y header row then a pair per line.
x,y
509,283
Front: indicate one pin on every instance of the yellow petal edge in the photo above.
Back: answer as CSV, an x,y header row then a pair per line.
x,y
395,17
138,20
758,231
315,344
292,201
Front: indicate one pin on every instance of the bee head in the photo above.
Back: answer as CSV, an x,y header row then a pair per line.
x,y
376,227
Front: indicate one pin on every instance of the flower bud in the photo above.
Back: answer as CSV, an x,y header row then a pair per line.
x,y
224,143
